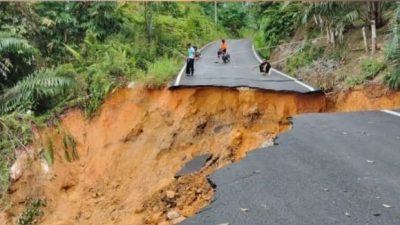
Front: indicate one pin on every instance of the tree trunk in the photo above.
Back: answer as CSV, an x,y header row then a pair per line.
x,y
373,37
365,40
333,41
328,36
321,23
315,20
375,12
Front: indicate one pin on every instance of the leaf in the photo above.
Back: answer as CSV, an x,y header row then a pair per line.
x,y
74,53
40,84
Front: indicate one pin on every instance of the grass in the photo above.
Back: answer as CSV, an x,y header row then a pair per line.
x,y
70,151
370,68
305,56
392,79
48,153
159,72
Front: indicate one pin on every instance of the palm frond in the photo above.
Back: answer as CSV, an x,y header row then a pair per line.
x,y
392,79
13,44
351,16
41,84
73,52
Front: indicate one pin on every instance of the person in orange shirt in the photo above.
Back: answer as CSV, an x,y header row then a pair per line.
x,y
222,48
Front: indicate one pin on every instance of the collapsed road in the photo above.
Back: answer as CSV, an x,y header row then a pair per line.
x,y
334,168
241,71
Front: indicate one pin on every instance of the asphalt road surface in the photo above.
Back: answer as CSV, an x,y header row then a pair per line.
x,y
329,169
241,71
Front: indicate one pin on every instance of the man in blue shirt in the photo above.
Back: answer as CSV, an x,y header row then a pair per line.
x,y
191,53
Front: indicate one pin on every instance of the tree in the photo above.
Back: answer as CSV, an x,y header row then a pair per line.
x,y
273,31
375,12
232,16
332,17
148,13
67,23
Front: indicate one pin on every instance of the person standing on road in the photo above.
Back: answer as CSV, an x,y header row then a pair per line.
x,y
191,53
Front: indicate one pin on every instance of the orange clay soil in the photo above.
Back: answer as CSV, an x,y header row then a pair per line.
x,y
129,153
366,97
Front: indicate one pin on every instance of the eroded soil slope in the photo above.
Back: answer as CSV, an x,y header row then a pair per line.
x,y
127,156
129,153
367,97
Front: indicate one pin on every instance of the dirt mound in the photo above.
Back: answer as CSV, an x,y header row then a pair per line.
x,y
126,157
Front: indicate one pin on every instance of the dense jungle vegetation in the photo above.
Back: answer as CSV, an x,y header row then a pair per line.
x,y
54,56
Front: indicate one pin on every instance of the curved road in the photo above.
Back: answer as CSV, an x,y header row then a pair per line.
x,y
241,71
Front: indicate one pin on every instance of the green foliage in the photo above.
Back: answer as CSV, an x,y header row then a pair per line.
x,y
273,31
15,133
353,81
159,72
70,152
233,16
104,64
193,27
304,56
27,93
100,66
103,45
392,79
332,16
67,23
32,213
371,67
99,85
16,59
48,152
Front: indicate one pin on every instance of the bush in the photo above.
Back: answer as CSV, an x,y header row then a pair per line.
x,y
15,133
273,31
392,79
353,81
160,72
370,68
305,56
